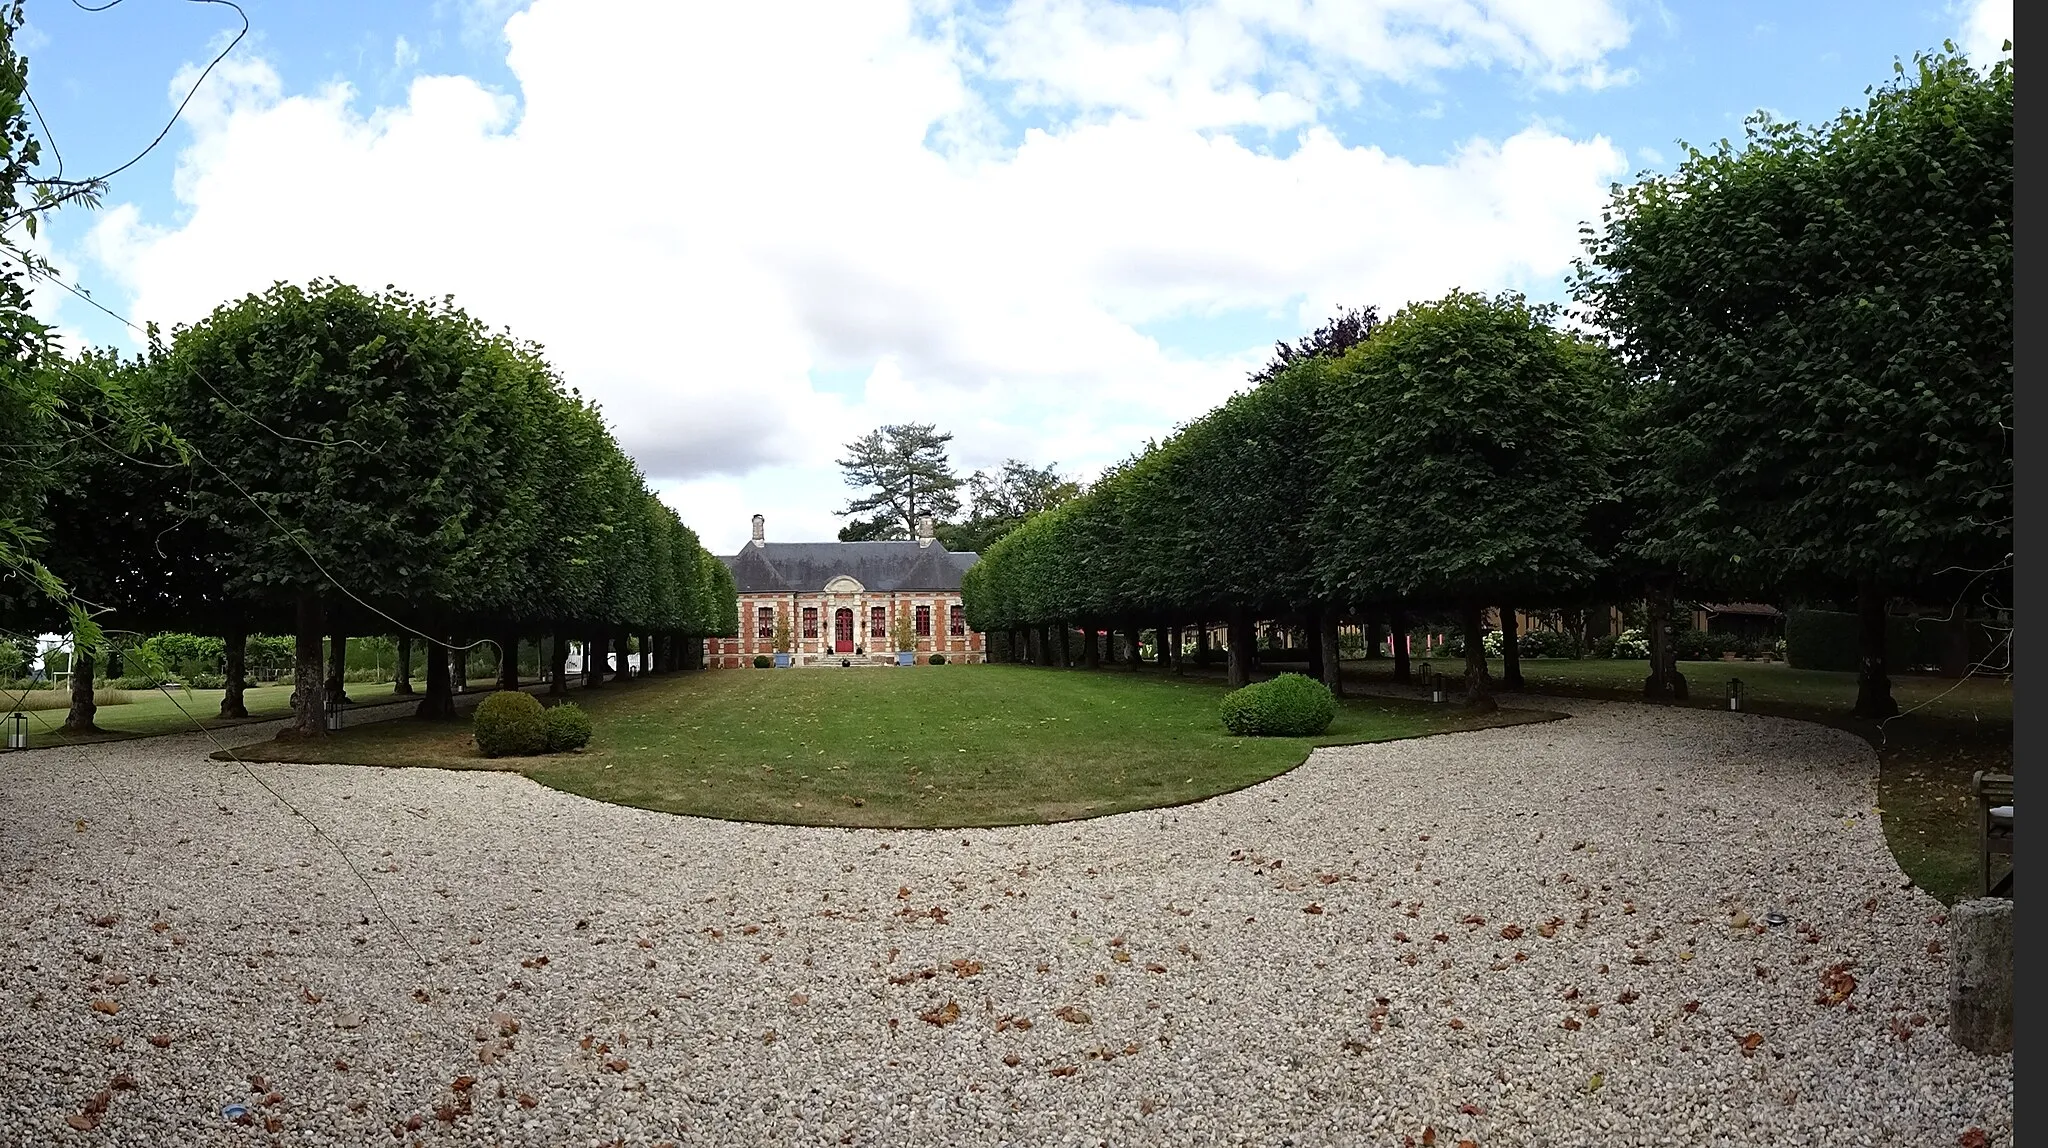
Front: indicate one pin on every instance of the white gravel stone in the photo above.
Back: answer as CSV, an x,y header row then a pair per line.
x,y
763,984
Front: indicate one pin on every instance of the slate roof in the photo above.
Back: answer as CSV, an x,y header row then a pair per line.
x,y
805,567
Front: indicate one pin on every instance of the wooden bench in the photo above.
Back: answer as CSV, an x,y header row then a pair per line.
x,y
1994,815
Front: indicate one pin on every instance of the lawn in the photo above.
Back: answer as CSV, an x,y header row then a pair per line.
x,y
151,712
1925,756
936,746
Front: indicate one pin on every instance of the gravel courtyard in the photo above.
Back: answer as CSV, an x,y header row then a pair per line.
x,y
1545,935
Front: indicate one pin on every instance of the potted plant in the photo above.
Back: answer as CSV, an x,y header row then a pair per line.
x,y
905,639
783,640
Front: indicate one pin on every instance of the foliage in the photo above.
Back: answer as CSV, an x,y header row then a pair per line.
x,y
763,662
510,723
1289,705
999,501
903,632
1828,640
1349,327
566,727
1478,432
1820,325
1629,644
785,637
906,475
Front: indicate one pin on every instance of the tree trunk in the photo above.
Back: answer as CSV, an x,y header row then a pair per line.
x,y
1173,637
558,678
508,659
1478,683
1315,645
337,668
1134,652
1202,651
1091,648
309,693
80,719
593,662
1372,636
624,644
1066,647
1510,651
439,700
1873,687
403,686
1240,639
1332,650
1664,680
1397,624
236,647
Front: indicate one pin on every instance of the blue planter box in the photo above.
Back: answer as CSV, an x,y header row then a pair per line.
x,y
782,661
905,657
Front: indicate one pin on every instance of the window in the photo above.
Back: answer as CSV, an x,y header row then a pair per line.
x,y
764,622
810,621
878,622
959,621
924,621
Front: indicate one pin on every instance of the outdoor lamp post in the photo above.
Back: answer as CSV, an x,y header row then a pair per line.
x,y
334,718
1735,695
1436,687
17,730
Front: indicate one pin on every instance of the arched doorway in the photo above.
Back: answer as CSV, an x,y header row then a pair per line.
x,y
842,630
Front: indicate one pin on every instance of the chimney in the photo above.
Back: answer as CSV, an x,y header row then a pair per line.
x,y
924,531
760,531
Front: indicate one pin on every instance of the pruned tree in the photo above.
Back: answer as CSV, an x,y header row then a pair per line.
x,y
905,474
1821,320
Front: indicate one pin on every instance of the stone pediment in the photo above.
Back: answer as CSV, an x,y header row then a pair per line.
x,y
843,584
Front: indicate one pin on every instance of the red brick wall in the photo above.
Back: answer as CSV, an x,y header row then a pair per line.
x,y
737,653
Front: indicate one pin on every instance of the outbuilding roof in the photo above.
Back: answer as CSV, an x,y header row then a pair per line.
x,y
805,567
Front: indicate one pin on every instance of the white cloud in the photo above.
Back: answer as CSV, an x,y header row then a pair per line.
x,y
695,207
403,54
1987,25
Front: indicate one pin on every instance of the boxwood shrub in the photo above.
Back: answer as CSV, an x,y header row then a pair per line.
x,y
763,662
936,660
509,724
566,727
1290,705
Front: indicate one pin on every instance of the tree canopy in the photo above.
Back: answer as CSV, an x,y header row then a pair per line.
x,y
905,475
1820,324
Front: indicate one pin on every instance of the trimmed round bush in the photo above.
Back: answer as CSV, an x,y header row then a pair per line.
x,y
566,727
763,662
509,723
1291,705
937,660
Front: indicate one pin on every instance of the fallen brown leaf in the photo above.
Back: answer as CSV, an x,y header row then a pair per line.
x,y
526,1100
104,1005
1072,1015
943,1015
1751,1043
1511,932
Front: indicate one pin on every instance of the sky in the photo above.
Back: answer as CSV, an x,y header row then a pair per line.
x,y
752,232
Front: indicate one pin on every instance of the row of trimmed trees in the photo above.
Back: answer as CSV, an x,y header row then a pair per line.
x,y
1802,387
339,462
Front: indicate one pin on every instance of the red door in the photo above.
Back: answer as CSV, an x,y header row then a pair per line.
x,y
842,630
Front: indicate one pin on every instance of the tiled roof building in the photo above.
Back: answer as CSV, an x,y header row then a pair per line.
x,y
843,600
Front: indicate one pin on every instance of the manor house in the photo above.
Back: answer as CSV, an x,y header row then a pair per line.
x,y
842,600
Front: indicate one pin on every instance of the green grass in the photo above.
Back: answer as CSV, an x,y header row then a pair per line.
x,y
1925,756
151,713
950,746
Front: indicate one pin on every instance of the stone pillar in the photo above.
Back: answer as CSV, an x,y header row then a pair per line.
x,y
1980,977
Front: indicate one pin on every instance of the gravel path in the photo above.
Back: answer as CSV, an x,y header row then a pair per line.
x,y
1518,936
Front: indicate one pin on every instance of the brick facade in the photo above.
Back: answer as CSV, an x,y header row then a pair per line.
x,y
824,590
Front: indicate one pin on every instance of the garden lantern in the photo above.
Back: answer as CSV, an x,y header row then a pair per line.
x,y
17,730
1436,688
1735,695
334,719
